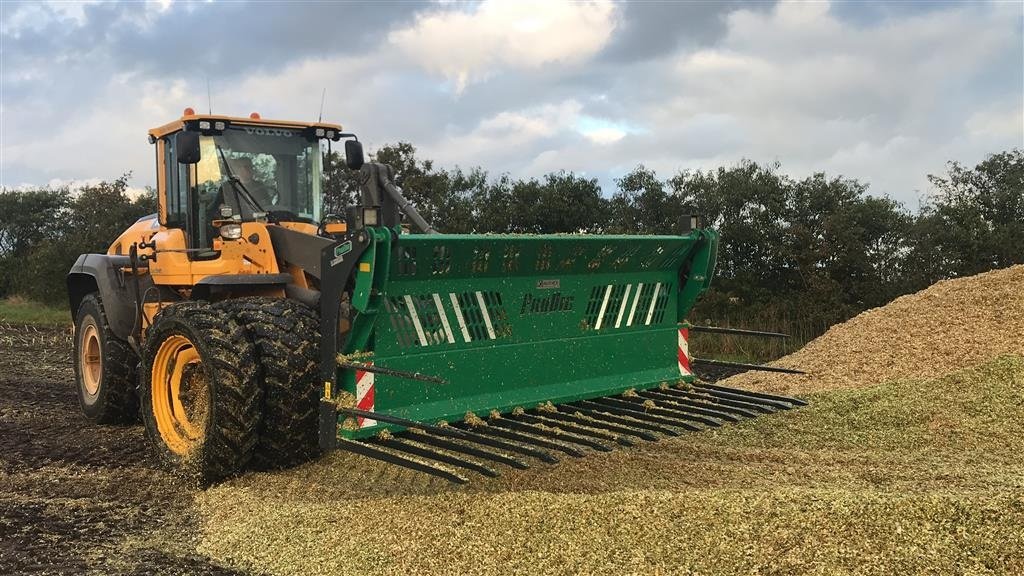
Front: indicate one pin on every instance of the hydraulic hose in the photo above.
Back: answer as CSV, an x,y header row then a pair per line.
x,y
405,206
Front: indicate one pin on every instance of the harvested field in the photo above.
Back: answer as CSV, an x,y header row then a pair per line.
x,y
906,469
950,325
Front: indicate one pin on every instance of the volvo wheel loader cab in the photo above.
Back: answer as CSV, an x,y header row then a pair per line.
x,y
250,329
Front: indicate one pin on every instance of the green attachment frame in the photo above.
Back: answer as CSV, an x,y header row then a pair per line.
x,y
515,321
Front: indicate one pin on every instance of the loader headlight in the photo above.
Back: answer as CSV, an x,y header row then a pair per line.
x,y
231,231
371,216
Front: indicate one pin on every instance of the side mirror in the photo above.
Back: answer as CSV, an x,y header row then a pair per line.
x,y
354,154
186,146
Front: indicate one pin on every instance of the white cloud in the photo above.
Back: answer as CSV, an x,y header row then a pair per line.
x,y
605,135
466,47
508,138
885,103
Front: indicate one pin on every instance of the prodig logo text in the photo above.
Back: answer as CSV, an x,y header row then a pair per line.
x,y
553,302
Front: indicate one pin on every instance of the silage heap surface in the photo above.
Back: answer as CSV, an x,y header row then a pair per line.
x,y
950,325
912,475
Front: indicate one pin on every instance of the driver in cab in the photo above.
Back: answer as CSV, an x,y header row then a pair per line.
x,y
245,175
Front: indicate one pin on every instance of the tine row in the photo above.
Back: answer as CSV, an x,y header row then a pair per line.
x,y
595,424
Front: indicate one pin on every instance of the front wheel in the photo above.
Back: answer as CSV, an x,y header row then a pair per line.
x,y
200,394
104,367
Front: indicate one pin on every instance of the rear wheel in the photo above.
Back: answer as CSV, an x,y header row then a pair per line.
x,y
200,394
286,338
104,367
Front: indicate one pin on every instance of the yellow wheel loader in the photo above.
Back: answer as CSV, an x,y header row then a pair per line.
x,y
248,329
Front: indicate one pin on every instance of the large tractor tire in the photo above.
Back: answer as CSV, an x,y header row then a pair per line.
x,y
105,367
199,391
286,336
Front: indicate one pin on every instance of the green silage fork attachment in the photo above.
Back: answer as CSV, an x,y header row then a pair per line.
x,y
487,346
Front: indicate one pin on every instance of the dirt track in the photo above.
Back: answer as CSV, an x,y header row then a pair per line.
x,y
76,497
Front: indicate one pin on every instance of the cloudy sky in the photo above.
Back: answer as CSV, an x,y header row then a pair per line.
x,y
883,92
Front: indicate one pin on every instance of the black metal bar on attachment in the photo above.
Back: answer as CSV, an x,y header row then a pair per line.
x,y
704,398
429,454
528,439
639,414
769,405
544,418
553,432
452,432
719,398
737,331
745,404
706,409
763,395
384,456
471,436
593,422
424,438
601,413
664,412
391,372
761,367
562,432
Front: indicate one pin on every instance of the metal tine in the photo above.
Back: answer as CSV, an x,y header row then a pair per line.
x,y
384,456
706,396
677,403
639,414
762,395
527,439
572,428
559,435
771,405
603,415
422,452
463,449
637,404
609,430
470,436
700,402
452,432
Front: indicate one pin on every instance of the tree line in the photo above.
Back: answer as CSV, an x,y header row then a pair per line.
x,y
796,253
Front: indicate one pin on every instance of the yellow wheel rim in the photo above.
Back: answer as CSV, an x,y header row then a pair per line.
x,y
180,394
91,360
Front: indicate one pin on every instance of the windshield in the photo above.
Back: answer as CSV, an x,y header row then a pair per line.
x,y
252,169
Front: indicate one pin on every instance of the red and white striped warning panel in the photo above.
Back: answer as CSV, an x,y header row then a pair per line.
x,y
364,396
684,352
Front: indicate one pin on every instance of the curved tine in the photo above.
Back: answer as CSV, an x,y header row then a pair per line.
x,y
572,428
422,452
599,424
384,456
637,404
765,406
554,433
762,395
463,449
471,436
527,439
706,396
601,413
706,407
634,411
